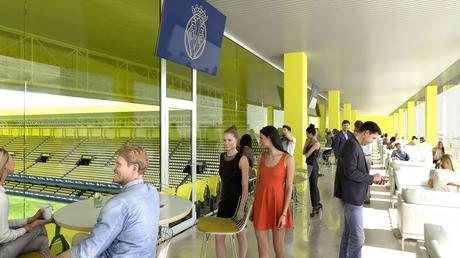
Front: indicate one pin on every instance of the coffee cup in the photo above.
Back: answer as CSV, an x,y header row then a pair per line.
x,y
47,211
98,199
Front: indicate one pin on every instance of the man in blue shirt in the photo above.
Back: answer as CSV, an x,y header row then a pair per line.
x,y
399,153
128,224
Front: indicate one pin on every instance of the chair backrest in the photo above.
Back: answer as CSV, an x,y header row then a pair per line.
x,y
247,212
213,184
184,191
201,189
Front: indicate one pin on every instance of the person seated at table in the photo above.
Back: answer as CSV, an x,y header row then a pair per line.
x,y
413,141
391,143
399,154
234,172
445,163
23,235
438,151
128,223
385,139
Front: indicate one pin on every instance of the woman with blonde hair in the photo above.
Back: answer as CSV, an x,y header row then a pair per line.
x,y
438,152
444,163
23,235
234,172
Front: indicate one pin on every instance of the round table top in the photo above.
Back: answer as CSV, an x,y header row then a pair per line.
x,y
82,215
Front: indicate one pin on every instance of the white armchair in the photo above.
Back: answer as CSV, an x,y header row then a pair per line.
x,y
441,177
407,174
438,242
417,207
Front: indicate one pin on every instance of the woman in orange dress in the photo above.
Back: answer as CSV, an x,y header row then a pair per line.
x,y
273,193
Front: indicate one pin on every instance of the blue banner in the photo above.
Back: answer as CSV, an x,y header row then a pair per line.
x,y
191,34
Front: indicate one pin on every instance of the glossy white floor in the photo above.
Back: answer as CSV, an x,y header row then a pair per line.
x,y
318,237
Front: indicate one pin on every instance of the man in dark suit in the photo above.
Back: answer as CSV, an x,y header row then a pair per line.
x,y
352,180
341,137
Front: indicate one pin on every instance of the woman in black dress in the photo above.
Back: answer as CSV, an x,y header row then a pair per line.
x,y
311,151
234,174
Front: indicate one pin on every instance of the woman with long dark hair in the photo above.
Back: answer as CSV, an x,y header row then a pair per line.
x,y
311,150
273,193
246,148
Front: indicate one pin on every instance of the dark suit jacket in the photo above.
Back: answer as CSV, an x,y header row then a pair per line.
x,y
352,176
339,139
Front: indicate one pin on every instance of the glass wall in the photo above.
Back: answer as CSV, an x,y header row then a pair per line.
x,y
278,118
419,119
449,123
79,80
12,96
238,95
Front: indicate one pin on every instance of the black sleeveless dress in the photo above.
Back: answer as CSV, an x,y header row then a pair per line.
x,y
313,179
230,175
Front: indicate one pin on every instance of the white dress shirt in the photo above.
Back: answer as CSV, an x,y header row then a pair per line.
x,y
9,229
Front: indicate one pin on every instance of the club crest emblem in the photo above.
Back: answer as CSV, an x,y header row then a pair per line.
x,y
195,33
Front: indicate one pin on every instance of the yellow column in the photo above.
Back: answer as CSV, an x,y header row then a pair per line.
x,y
295,100
270,119
354,116
347,112
402,133
431,114
333,97
322,120
410,119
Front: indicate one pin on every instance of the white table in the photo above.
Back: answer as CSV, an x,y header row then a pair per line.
x,y
82,215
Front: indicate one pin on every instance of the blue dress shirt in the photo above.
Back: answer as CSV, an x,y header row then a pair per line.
x,y
127,225
401,155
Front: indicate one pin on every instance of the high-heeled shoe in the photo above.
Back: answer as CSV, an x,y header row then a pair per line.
x,y
316,210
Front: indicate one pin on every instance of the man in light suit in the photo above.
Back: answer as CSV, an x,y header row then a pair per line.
x,y
352,180
341,137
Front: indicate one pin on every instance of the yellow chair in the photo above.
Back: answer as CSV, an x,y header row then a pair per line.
x,y
255,171
184,191
201,190
213,185
31,255
170,191
223,226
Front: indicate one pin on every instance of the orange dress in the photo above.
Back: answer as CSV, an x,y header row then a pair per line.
x,y
269,197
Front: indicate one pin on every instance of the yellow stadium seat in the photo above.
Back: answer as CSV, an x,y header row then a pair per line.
x,y
213,184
